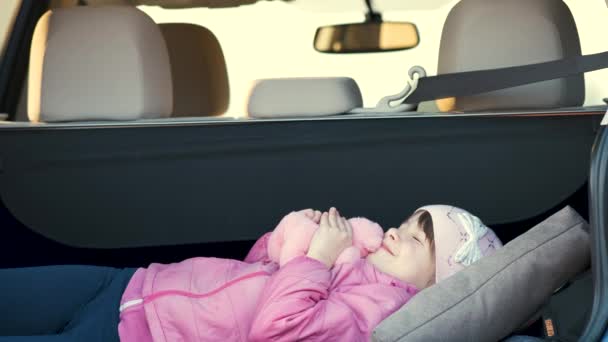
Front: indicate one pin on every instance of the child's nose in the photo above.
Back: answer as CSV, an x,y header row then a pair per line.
x,y
392,234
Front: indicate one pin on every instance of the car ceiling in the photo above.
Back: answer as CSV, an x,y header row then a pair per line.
x,y
322,6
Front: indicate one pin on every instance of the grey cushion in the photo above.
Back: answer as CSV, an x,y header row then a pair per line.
x,y
293,97
497,294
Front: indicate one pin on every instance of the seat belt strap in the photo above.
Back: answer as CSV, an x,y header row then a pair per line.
x,y
481,81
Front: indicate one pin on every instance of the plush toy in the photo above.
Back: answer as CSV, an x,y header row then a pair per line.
x,y
292,236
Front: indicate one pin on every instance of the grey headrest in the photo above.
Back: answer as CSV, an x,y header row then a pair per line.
x,y
98,63
198,68
487,34
292,97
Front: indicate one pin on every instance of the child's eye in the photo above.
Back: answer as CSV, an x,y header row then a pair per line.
x,y
416,238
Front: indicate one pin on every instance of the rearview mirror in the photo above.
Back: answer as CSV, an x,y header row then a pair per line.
x,y
369,36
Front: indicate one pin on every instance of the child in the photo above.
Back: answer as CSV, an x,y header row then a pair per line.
x,y
210,299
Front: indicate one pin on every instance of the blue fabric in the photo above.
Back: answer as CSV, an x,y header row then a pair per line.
x,y
61,303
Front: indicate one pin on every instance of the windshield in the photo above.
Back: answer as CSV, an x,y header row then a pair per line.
x,y
273,39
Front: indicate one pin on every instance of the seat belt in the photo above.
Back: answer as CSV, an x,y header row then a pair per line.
x,y
480,81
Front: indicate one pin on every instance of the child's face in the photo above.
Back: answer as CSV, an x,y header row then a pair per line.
x,y
406,254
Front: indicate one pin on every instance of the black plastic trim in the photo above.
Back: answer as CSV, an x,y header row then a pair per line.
x,y
598,204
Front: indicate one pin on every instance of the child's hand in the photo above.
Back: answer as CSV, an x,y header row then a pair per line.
x,y
314,215
333,236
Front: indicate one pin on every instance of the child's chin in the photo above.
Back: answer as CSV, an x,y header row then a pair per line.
x,y
376,257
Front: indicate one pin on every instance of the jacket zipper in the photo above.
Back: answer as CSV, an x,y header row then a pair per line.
x,y
154,296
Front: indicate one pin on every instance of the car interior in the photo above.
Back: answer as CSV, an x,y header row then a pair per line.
x,y
129,136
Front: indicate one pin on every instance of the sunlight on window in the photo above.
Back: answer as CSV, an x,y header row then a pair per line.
x,y
8,13
275,39
590,18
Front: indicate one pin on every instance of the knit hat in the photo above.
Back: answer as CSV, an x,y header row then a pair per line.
x,y
460,239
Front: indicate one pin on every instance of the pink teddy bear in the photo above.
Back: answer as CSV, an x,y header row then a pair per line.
x,y
292,236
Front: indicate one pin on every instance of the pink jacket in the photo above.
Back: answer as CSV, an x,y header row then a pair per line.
x,y
210,299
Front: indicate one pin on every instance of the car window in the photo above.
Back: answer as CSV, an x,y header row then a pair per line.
x,y
275,39
8,13
590,18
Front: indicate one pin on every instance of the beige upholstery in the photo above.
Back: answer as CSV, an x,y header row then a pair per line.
x,y
198,68
487,34
98,63
293,97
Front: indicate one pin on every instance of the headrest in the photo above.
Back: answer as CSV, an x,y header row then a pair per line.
x,y
98,63
488,34
198,68
289,97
